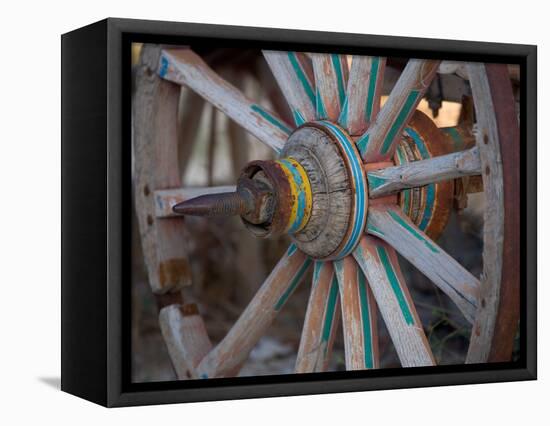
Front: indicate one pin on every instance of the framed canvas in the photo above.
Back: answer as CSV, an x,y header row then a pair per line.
x,y
252,212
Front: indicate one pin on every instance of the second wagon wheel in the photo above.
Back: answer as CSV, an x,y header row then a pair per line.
x,y
353,185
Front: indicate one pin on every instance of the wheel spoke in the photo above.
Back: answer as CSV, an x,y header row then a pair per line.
x,y
358,316
320,325
453,67
379,263
331,76
165,199
294,74
186,338
380,140
419,173
233,350
364,88
391,225
184,67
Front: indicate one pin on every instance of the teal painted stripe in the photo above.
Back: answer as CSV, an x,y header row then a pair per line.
x,y
430,188
400,120
320,106
418,142
360,188
291,249
301,76
337,65
400,156
359,255
163,67
428,208
270,118
365,319
375,181
396,287
343,119
406,193
372,88
413,231
298,117
293,284
373,229
407,200
301,209
458,144
317,267
338,266
330,311
362,143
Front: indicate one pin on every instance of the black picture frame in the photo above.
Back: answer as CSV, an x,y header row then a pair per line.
x,y
96,207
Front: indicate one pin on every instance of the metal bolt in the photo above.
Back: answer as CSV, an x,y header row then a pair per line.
x,y
222,205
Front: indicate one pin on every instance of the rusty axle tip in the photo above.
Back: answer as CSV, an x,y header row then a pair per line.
x,y
213,205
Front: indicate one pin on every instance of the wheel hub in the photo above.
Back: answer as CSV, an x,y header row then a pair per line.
x,y
317,191
321,191
428,207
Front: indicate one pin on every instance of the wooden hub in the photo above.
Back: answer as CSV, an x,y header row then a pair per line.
x,y
320,191
317,191
429,206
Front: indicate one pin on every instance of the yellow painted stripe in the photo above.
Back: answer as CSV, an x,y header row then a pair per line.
x,y
298,216
306,188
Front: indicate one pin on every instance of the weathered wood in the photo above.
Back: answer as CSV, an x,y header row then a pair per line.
x,y
358,316
155,139
320,324
506,112
166,199
419,173
330,182
488,142
331,77
294,74
379,263
429,206
461,69
271,91
257,317
186,338
453,67
366,78
507,117
378,143
461,137
391,225
184,67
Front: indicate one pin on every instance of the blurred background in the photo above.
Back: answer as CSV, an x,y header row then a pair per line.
x,y
229,264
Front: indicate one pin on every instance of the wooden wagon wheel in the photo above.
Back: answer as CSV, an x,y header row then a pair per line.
x,y
353,185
